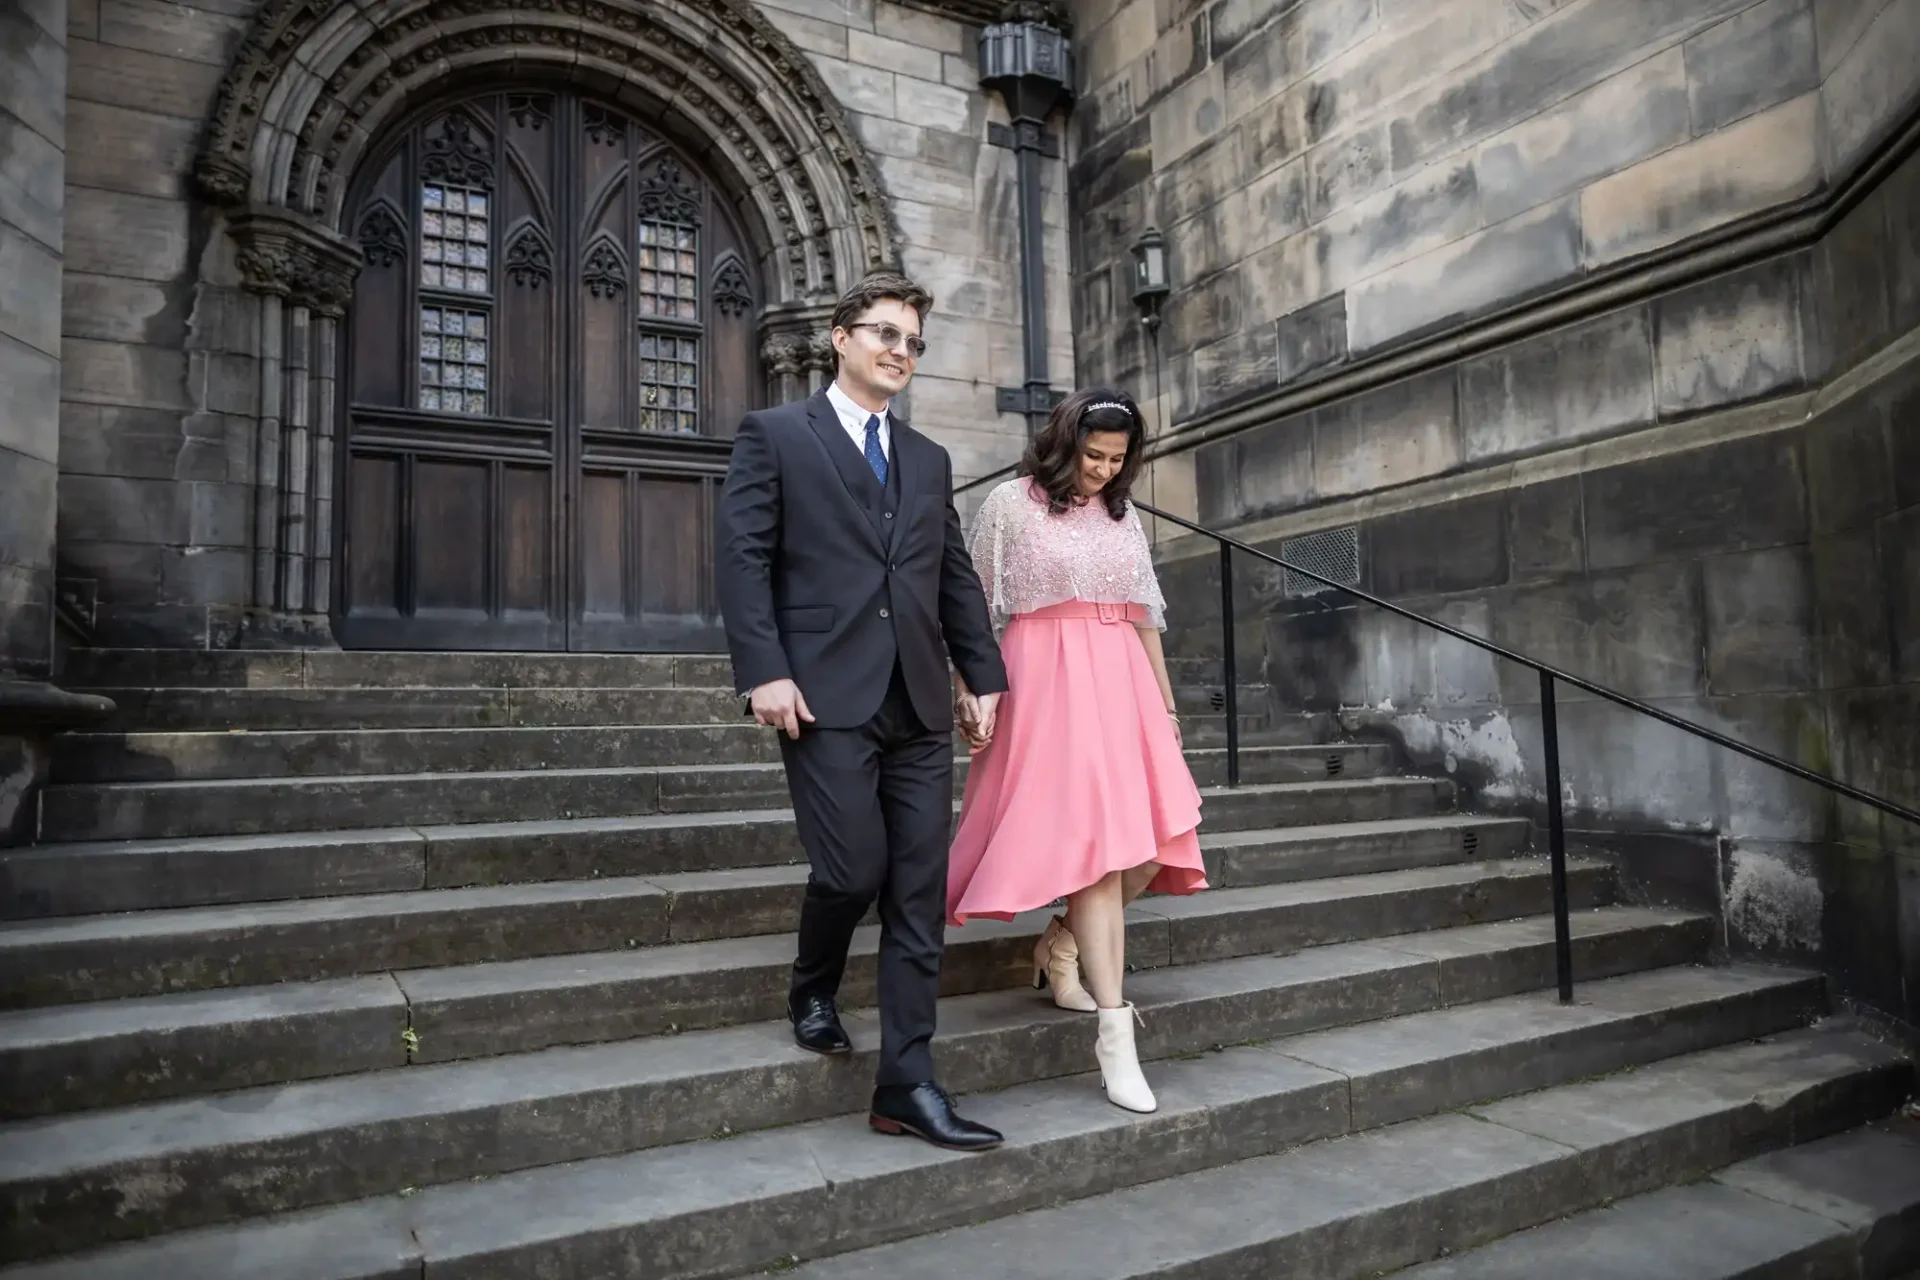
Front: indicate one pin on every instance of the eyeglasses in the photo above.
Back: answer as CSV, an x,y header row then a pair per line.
x,y
891,335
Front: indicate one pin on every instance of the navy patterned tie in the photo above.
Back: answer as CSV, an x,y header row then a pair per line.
x,y
876,456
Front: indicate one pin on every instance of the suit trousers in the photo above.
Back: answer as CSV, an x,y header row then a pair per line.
x,y
874,805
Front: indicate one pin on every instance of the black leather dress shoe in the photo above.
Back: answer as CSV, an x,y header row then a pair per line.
x,y
926,1111
816,1025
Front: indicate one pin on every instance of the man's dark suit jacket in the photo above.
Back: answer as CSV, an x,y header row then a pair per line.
x,y
826,576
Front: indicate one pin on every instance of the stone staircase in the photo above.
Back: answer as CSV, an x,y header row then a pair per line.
x,y
355,966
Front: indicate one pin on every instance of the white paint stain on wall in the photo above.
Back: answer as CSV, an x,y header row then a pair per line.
x,y
1487,742
1773,902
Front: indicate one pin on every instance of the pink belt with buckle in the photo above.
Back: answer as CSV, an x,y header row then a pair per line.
x,y
1107,613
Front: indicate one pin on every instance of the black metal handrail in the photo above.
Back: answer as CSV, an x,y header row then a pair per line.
x,y
1549,726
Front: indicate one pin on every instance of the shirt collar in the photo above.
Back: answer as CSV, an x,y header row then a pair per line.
x,y
852,414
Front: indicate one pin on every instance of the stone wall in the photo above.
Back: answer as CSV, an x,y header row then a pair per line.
x,y
1338,179
910,81
33,73
1709,500
161,404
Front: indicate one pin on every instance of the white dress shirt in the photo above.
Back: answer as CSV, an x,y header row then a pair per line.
x,y
854,419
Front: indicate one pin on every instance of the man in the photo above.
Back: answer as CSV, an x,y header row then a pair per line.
x,y
841,572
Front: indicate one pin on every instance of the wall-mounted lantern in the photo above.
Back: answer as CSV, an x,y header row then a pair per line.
x,y
1150,287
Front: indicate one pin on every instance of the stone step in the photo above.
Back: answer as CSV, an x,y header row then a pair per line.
x,y
115,1052
1846,1207
162,709
714,1209
258,806
204,755
1366,1203
71,1181
136,875
236,669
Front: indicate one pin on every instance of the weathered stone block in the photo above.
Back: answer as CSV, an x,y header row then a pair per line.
x,y
1495,266
1749,166
927,30
1850,471
1200,179
1901,195
1316,658
1900,578
1349,168
29,291
1877,750
960,152
141,79
116,309
34,88
1903,438
32,184
1572,384
153,444
205,575
1837,27
1752,61
1625,118
1852,282
140,237
164,512
1640,631
1188,116
1736,496
1234,367
1210,241
1760,623
1400,433
165,146
1204,313
1306,36
1733,338
828,39
901,56
857,88
1126,36
1428,211
1312,339
121,374
929,184
1575,47
29,401
938,106
26,517
199,34
1873,84
1270,470
1455,546
1546,529
1854,636
1283,277
1758,801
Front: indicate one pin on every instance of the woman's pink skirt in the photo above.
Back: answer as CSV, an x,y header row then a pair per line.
x,y
1084,776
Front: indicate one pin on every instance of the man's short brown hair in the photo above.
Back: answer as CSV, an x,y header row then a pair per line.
x,y
881,286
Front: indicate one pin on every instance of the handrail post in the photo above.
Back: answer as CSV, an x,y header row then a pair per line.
x,y
1556,842
1232,669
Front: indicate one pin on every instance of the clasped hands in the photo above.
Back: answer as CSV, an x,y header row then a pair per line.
x,y
976,714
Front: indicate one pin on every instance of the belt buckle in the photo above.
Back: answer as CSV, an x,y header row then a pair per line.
x,y
1109,613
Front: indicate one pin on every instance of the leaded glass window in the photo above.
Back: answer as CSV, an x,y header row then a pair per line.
x,y
454,238
669,271
669,383
453,360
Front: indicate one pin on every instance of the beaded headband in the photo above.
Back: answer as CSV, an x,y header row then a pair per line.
x,y
1108,404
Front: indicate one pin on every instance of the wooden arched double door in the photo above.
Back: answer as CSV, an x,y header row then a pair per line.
x,y
551,345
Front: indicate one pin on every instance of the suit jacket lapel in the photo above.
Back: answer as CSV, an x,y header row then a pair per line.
x,y
906,462
855,474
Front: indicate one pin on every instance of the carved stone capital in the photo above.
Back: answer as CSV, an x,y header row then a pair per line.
x,y
785,354
820,347
287,256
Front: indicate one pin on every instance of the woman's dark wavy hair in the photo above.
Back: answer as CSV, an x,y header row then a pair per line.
x,y
1053,457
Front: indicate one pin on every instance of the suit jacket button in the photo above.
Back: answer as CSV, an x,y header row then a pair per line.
x,y
883,613
893,568
889,515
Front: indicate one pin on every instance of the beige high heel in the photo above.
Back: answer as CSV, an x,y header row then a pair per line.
x,y
1056,964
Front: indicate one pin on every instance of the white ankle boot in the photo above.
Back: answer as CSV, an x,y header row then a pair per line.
x,y
1119,1064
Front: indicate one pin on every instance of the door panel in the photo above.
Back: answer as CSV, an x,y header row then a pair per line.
x,y
552,341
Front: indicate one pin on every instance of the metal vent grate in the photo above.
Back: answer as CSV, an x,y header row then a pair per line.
x,y
1470,842
1336,765
1333,553
1219,699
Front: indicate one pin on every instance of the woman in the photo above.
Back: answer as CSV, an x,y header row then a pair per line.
x,y
1078,787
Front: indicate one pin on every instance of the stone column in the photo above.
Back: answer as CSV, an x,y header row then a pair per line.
x,y
33,112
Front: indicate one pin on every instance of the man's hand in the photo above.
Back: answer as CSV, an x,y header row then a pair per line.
x,y
778,704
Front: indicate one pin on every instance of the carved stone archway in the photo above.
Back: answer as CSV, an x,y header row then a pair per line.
x,y
315,84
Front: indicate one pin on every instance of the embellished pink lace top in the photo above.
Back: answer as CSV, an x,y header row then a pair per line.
x,y
1028,558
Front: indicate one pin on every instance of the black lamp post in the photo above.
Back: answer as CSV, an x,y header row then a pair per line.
x,y
1027,59
1150,290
